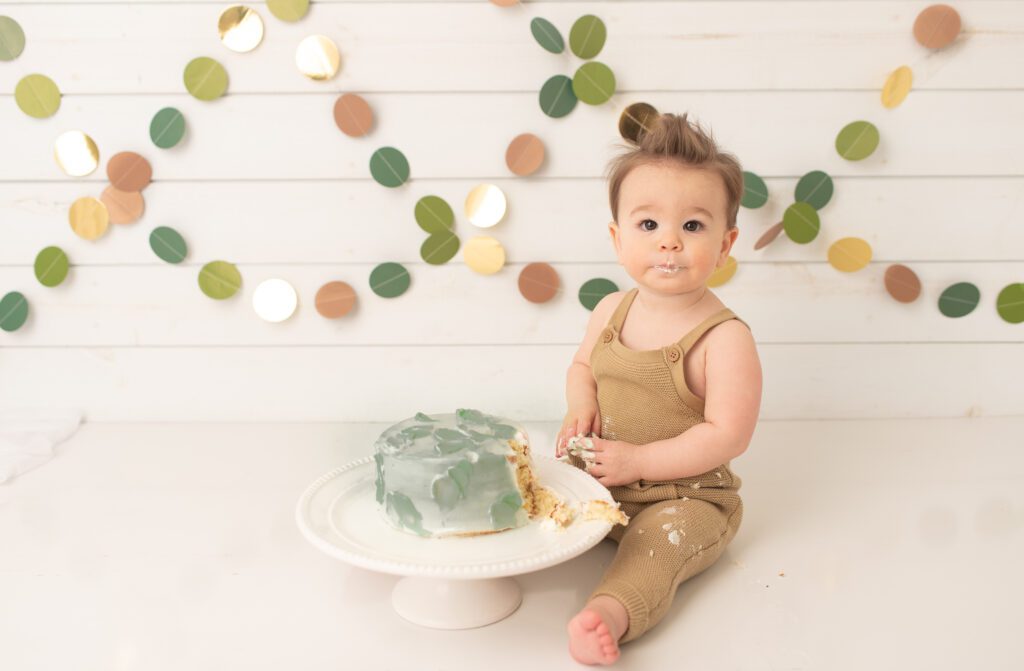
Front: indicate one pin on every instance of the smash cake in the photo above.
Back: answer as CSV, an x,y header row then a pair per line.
x,y
468,473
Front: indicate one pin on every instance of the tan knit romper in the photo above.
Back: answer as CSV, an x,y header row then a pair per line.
x,y
677,528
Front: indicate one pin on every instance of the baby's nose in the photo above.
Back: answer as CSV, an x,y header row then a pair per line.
x,y
671,244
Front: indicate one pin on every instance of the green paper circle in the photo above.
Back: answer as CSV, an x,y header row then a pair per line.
x,y
586,38
205,78
547,35
857,140
12,39
815,189
167,128
220,279
439,248
389,280
37,96
288,10
556,96
594,290
389,167
755,191
959,299
801,223
1010,303
593,83
13,311
168,244
434,215
51,266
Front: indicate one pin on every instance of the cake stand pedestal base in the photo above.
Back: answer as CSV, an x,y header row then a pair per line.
x,y
455,604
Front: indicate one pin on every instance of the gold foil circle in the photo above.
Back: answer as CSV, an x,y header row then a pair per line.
x,y
636,120
124,207
89,218
723,274
240,28
484,255
76,153
485,205
317,57
275,300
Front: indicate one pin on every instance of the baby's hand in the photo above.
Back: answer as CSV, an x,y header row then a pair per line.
x,y
577,423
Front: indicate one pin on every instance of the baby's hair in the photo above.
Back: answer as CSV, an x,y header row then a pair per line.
x,y
670,137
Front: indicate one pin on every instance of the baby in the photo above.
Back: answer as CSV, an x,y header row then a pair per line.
x,y
666,384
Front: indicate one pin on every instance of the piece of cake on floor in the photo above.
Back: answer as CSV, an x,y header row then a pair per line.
x,y
465,473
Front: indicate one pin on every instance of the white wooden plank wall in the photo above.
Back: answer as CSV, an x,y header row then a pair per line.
x,y
265,180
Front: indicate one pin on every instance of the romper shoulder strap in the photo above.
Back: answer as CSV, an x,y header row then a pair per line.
x,y
723,315
620,312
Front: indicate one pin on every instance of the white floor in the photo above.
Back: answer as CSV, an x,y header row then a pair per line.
x,y
865,545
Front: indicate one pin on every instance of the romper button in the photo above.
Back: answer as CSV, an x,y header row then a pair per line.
x,y
673,354
607,337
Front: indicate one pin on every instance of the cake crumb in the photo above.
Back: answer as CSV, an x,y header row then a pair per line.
x,y
782,574
666,526
673,538
718,474
670,511
652,553
695,485
640,531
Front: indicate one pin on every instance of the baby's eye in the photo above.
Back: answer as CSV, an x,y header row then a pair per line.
x,y
648,224
693,221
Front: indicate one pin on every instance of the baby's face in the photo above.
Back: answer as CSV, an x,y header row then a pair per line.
x,y
671,233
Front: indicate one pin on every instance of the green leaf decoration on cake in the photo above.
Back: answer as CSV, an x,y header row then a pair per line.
x,y
503,511
460,474
446,492
547,35
450,440
420,417
470,416
414,432
504,431
405,511
379,460
815,189
587,36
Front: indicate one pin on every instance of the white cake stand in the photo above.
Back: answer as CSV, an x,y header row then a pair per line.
x,y
448,583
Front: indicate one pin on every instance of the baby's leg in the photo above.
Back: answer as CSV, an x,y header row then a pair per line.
x,y
665,544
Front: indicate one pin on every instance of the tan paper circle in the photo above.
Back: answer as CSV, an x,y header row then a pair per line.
x,y
769,236
335,299
485,205
76,153
484,255
129,171
723,274
240,28
538,282
353,115
124,207
902,283
88,217
524,154
936,26
317,57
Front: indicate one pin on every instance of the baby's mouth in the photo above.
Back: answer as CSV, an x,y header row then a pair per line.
x,y
668,268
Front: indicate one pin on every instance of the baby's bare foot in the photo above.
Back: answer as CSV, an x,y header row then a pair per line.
x,y
590,639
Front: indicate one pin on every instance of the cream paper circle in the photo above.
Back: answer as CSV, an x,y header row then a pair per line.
x,y
274,300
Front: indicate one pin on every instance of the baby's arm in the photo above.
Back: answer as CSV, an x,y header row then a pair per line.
x,y
583,415
731,407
